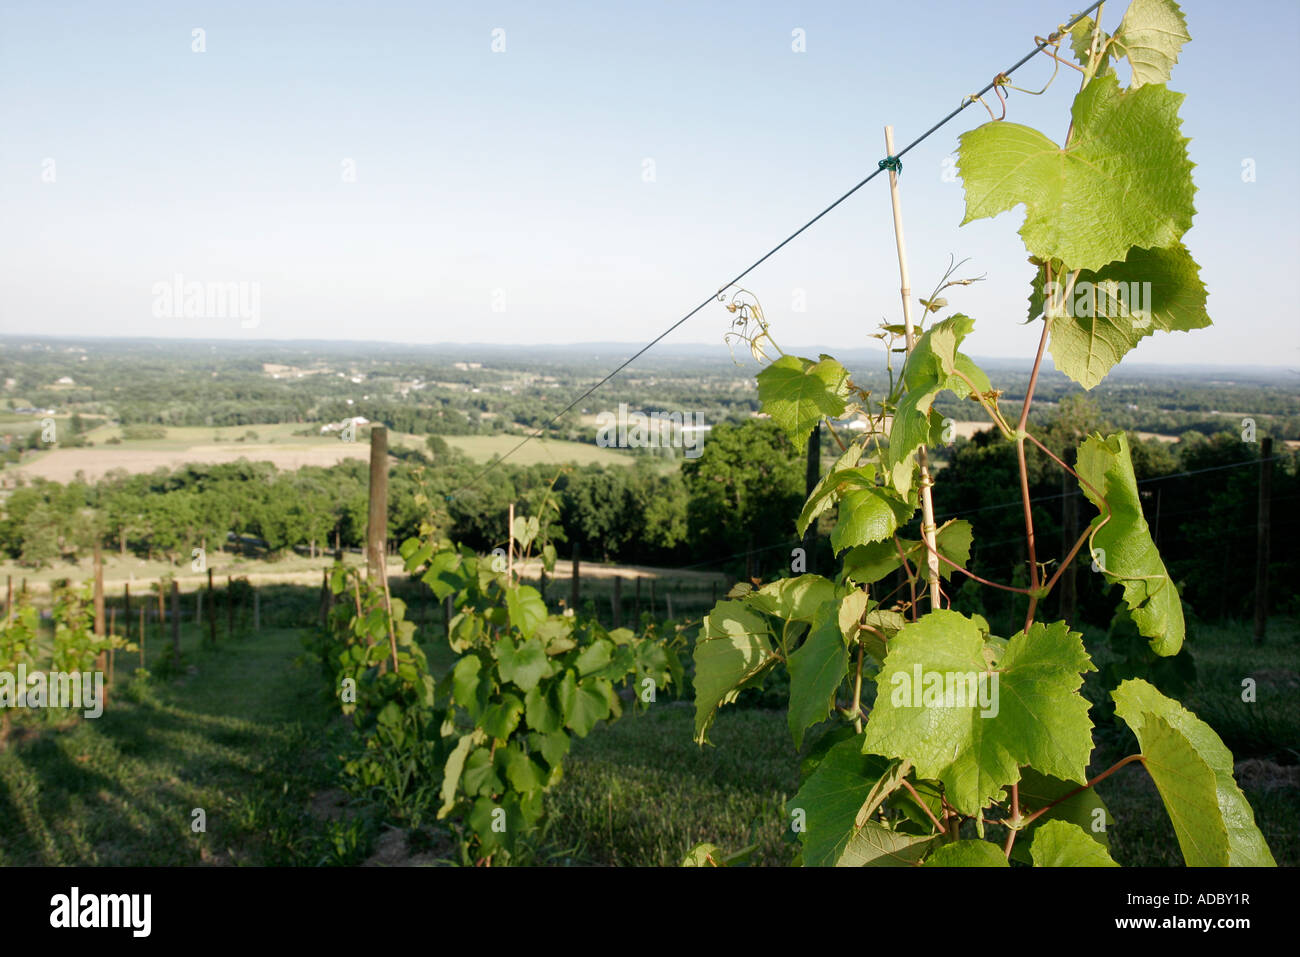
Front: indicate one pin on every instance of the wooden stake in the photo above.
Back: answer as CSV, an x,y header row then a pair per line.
x,y
377,518
575,587
176,623
212,612
325,599
230,607
142,608
510,545
905,290
812,474
616,600
257,610
112,630
102,658
1262,537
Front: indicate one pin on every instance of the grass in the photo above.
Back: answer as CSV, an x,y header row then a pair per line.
x,y
243,739
640,792
246,737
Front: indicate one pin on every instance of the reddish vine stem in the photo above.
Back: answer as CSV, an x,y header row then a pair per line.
x,y
924,807
1083,787
982,581
1024,474
907,570
1015,816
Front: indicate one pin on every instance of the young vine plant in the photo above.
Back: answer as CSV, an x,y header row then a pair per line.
x,y
480,747
949,745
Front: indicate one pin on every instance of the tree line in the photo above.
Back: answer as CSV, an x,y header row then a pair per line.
x,y
732,508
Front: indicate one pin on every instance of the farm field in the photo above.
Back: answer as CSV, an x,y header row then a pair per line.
x,y
483,448
276,444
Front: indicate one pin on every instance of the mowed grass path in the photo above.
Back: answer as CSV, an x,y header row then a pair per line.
x,y
230,739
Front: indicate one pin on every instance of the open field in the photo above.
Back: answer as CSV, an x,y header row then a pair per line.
x,y
271,443
483,447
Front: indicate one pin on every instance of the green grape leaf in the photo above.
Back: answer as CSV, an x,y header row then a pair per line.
x,y
825,493
953,541
1122,545
553,747
595,656
932,367
869,563
704,854
1192,770
502,717
816,670
584,703
469,687
524,530
542,711
524,774
875,845
1152,35
793,599
877,623
797,392
870,513
480,774
451,773
524,664
967,854
733,651
1081,43
1084,808
1062,844
961,714
1124,180
1111,310
831,803
483,820
527,610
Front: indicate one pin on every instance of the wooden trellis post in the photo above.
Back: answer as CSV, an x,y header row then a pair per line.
x,y
176,622
377,517
575,587
905,290
102,659
1262,537
212,612
510,544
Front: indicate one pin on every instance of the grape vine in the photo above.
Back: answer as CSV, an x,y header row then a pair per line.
x,y
941,731
481,746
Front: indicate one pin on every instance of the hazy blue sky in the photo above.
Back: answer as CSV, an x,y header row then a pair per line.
x,y
516,179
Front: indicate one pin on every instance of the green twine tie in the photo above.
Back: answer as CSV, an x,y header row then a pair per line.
x,y
892,162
